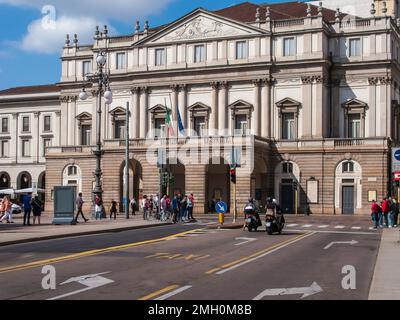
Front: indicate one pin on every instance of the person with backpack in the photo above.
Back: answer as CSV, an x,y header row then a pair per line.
x,y
113,209
133,206
36,209
175,209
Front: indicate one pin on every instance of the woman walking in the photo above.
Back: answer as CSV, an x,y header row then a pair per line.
x,y
113,209
7,210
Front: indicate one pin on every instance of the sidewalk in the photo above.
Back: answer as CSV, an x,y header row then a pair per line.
x,y
17,233
386,281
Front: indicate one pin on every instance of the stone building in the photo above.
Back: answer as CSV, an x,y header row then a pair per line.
x,y
308,99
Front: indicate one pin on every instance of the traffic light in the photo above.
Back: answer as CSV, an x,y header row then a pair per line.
x,y
233,175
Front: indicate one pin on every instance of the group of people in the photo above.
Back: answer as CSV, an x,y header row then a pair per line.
x,y
179,209
385,214
31,204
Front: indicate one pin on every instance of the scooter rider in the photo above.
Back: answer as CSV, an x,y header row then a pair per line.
x,y
251,207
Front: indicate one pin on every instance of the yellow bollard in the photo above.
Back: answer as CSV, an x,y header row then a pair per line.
x,y
221,218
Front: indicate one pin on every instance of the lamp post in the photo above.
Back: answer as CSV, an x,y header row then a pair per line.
x,y
102,79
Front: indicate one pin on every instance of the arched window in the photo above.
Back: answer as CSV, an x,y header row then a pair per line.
x,y
72,176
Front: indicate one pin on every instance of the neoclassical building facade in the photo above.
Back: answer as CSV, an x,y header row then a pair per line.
x,y
309,101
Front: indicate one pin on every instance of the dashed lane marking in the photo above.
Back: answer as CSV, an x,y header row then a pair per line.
x,y
339,227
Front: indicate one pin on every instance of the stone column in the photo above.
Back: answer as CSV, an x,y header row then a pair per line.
x,y
182,105
372,106
307,106
143,112
319,108
135,113
222,108
214,108
14,138
57,129
174,98
336,109
257,108
35,142
196,182
266,110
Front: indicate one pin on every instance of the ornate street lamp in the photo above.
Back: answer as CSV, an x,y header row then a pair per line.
x,y
102,78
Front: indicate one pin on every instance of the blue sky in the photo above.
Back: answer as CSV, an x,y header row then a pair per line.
x,y
30,55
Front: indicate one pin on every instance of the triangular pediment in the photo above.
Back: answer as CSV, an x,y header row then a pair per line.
x,y
84,116
201,25
354,103
117,111
288,102
240,104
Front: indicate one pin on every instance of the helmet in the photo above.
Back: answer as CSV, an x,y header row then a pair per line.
x,y
269,200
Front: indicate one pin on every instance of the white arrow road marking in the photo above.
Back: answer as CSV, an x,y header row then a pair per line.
x,y
323,226
91,281
173,293
292,225
307,226
306,291
339,227
352,242
245,240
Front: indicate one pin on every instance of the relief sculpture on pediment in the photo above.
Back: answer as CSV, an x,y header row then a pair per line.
x,y
201,28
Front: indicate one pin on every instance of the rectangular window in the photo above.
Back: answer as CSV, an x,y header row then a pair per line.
x,y
241,50
355,47
160,127
47,123
120,61
119,132
200,126
289,47
4,149
25,124
46,144
4,125
199,55
26,148
288,126
86,133
287,167
241,124
86,68
354,126
160,57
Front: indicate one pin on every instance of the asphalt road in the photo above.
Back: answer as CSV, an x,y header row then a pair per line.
x,y
191,262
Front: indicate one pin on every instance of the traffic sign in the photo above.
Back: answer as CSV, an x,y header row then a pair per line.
x,y
396,176
395,160
221,207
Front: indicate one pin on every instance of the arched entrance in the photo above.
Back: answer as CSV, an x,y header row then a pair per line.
x,y
135,182
24,180
218,183
287,174
177,183
5,181
348,187
42,185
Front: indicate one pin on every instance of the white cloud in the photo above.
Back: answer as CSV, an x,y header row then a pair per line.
x,y
47,35
51,40
126,10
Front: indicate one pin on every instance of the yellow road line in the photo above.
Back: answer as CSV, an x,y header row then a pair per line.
x,y
258,253
88,253
159,292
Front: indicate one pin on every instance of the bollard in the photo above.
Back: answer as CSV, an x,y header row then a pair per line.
x,y
221,218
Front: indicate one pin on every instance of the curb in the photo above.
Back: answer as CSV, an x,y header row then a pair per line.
x,y
78,234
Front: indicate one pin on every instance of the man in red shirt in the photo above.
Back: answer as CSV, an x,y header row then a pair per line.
x,y
375,214
385,211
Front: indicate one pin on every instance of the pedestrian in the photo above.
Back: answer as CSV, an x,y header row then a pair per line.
x,y
375,214
79,206
163,208
392,210
2,210
113,209
183,210
145,207
175,209
26,200
157,202
380,214
7,209
133,206
191,207
98,208
396,213
151,206
37,209
169,207
385,211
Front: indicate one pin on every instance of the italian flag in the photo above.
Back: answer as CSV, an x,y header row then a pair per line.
x,y
169,122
